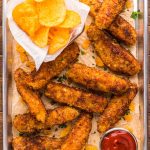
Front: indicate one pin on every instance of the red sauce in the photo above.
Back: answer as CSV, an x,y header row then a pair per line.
x,y
118,140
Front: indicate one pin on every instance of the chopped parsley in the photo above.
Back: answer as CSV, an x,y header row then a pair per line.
x,y
135,14
93,57
105,68
127,112
62,126
61,79
82,52
94,132
62,59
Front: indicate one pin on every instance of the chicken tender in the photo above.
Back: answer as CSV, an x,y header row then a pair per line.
x,y
76,97
36,143
30,97
97,80
116,109
79,134
26,123
49,70
108,11
123,31
120,28
113,55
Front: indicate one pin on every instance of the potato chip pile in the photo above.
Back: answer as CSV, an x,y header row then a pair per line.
x,y
47,22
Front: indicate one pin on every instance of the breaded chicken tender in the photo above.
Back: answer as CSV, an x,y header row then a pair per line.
x,y
26,123
120,28
36,143
113,55
108,11
30,97
116,109
79,134
49,70
123,31
76,97
97,80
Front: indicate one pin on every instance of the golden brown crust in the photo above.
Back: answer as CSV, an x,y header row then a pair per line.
x,y
113,55
76,97
97,80
49,70
123,31
30,97
26,123
108,11
116,109
36,143
119,28
79,134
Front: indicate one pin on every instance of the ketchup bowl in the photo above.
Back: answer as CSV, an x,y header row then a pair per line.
x,y
118,139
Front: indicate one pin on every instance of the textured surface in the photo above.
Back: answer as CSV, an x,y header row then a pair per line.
x,y
1,79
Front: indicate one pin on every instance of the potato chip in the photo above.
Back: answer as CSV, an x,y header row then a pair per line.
x,y
58,38
41,36
26,17
30,1
72,20
51,12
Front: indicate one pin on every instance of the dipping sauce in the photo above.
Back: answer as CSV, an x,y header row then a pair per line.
x,y
118,140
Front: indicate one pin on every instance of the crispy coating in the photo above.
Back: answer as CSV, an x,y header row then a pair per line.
x,y
26,123
120,28
113,55
97,80
76,97
123,31
49,70
79,134
30,97
108,11
116,109
36,143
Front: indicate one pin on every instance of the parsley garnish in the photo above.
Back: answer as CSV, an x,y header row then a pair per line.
x,y
82,52
105,68
127,112
135,14
61,79
62,126
93,57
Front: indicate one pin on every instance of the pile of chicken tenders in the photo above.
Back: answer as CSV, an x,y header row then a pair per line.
x,y
79,104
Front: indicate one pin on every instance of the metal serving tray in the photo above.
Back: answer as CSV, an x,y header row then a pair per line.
x,y
142,53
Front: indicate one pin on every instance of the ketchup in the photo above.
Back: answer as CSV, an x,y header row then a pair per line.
x,y
118,140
